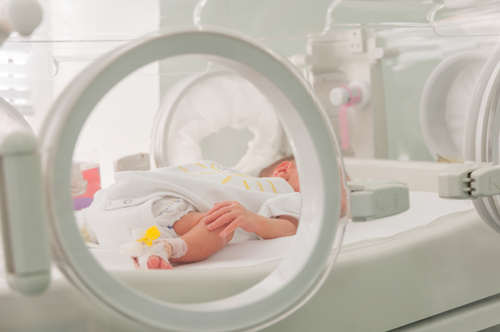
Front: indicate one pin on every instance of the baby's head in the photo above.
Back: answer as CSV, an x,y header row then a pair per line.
x,y
284,168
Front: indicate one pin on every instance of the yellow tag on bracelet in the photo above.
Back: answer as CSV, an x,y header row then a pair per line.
x,y
152,234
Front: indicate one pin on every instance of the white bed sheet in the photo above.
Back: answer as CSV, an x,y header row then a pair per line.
x,y
425,207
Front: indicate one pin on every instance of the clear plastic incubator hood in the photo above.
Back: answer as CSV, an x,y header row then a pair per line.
x,y
311,255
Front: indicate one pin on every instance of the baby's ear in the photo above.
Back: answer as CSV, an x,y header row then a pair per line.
x,y
281,170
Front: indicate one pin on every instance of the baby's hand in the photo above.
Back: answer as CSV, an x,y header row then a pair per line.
x,y
233,214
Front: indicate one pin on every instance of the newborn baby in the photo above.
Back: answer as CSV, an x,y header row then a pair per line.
x,y
196,207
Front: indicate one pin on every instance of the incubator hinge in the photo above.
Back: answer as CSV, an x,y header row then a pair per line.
x,y
377,198
469,181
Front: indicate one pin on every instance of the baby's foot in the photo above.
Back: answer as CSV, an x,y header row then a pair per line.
x,y
158,263
155,257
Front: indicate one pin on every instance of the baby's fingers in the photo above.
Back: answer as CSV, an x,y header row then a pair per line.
x,y
217,211
221,221
218,206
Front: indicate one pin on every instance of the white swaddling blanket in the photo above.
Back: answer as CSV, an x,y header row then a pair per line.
x,y
126,205
425,207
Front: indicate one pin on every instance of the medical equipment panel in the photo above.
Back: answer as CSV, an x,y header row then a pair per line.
x,y
410,97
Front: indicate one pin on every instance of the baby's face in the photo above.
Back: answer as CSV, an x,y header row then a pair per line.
x,y
288,171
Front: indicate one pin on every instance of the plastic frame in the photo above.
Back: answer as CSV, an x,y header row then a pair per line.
x,y
301,271
483,131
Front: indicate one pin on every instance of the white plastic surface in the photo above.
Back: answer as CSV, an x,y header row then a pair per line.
x,y
375,199
313,141
16,137
136,162
206,103
455,182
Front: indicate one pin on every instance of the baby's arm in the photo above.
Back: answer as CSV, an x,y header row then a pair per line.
x,y
234,215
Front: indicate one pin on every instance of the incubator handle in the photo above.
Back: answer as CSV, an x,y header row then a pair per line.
x,y
23,214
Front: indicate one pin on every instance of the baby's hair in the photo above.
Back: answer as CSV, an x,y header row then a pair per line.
x,y
268,171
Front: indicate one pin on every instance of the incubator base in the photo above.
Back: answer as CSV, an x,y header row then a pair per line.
x,y
411,282
436,276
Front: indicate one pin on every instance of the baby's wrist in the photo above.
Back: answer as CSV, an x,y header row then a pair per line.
x,y
259,224
262,223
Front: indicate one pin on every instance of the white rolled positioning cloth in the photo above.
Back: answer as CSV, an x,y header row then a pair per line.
x,y
282,205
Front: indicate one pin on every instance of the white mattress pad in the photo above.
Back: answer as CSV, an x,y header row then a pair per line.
x,y
425,207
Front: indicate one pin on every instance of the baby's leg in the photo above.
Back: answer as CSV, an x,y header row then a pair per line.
x,y
188,222
201,242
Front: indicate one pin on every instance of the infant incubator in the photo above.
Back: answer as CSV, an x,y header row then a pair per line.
x,y
397,95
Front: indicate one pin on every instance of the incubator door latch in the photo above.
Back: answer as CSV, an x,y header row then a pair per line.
x,y
469,180
377,198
